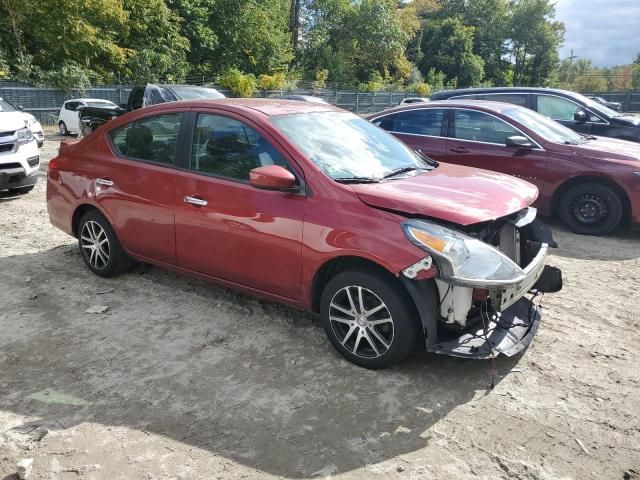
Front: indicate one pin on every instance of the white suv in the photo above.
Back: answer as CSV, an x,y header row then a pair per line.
x,y
68,120
19,154
32,122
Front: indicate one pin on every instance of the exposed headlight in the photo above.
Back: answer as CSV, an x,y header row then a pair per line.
x,y
461,259
24,135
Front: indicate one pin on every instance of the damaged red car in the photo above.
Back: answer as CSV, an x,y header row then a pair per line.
x,y
312,206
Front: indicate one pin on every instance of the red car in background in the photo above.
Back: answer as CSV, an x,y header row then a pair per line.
x,y
315,207
591,183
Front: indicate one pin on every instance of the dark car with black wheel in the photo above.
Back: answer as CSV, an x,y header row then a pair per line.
x,y
591,183
573,110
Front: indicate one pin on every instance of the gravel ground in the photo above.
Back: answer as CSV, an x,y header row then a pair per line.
x,y
180,379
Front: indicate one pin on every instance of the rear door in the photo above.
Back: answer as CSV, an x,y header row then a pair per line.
x,y
478,139
225,227
422,129
135,183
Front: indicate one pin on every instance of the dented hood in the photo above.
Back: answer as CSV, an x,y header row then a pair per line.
x,y
456,194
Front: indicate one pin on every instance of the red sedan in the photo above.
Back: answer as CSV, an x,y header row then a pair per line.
x,y
311,206
591,183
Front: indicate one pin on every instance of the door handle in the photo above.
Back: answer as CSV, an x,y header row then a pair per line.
x,y
105,182
198,202
459,150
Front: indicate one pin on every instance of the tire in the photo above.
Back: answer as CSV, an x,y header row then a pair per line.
x,y
591,209
64,131
353,335
109,260
22,190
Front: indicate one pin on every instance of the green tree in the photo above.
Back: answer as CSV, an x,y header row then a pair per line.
x,y
448,48
535,41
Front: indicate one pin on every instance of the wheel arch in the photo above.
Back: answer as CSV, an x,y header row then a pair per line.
x,y
602,180
339,264
80,210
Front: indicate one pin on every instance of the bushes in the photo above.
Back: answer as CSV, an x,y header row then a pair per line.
x,y
276,81
421,89
239,83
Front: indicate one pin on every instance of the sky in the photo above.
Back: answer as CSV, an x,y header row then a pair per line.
x,y
606,31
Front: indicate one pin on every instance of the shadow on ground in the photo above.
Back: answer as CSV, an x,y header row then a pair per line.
x,y
253,382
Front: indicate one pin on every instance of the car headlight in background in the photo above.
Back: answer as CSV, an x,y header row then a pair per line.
x,y
463,260
24,135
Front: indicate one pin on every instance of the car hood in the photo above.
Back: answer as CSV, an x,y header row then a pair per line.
x,y
452,193
626,120
11,121
609,148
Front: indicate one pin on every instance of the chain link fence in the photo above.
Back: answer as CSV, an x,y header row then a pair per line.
x,y
45,103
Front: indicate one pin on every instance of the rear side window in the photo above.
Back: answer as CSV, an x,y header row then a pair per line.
x,y
481,127
512,98
152,139
72,106
228,148
426,121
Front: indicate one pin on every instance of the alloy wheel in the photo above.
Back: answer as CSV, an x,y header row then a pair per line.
x,y
95,244
361,321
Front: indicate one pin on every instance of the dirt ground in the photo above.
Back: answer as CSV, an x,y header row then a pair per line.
x,y
180,379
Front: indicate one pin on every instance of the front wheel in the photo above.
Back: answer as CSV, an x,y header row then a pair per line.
x,y
369,318
63,129
591,209
99,246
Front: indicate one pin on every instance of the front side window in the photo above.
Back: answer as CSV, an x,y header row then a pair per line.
x,y
345,146
6,106
228,148
71,106
152,139
480,127
546,128
557,108
426,121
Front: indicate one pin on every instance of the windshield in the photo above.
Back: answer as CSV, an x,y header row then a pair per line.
x,y
346,146
6,106
195,93
598,107
548,129
101,104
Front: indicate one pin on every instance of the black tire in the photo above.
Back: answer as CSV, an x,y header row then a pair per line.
x,y
62,127
22,190
117,261
406,332
591,209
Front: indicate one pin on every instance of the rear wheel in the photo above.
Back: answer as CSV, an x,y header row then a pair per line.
x,y
63,129
369,318
100,247
591,209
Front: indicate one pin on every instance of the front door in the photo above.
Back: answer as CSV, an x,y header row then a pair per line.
x,y
562,110
225,227
478,139
136,184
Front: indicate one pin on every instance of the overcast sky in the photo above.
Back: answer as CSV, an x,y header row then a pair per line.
x,y
606,31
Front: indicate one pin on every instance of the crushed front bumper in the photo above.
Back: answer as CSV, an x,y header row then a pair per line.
x,y
508,333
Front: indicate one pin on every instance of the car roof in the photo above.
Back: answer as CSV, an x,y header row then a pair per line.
x,y
487,105
473,91
266,106
88,100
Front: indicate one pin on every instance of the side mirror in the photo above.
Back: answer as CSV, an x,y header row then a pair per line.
x,y
580,116
272,177
518,141
20,107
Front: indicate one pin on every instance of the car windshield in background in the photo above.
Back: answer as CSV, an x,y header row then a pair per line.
x,y
346,146
598,107
101,104
6,106
195,93
548,129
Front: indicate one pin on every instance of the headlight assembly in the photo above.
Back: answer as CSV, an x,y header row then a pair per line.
x,y
24,135
463,260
